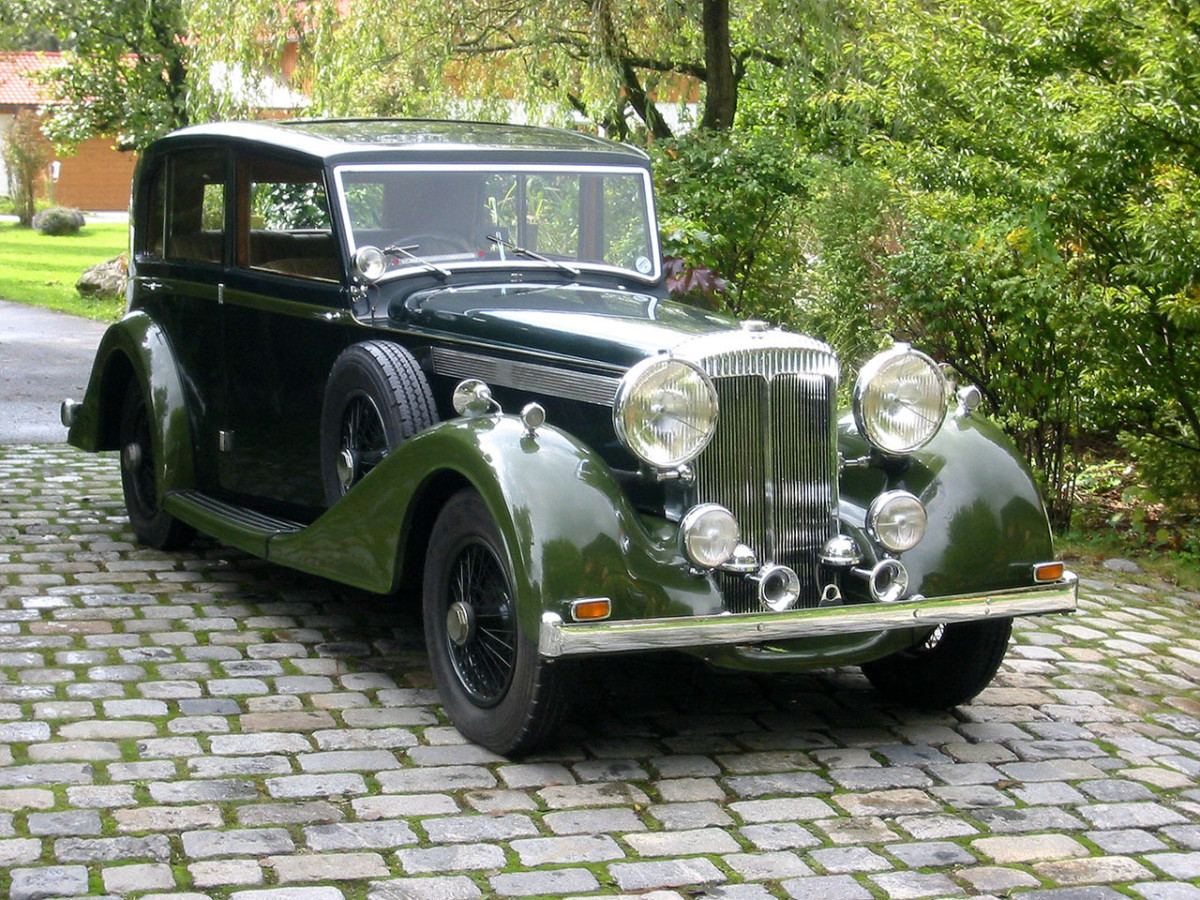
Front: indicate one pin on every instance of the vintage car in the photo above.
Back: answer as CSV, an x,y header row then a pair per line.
x,y
443,354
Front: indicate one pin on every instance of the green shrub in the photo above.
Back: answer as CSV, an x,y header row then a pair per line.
x,y
728,205
58,221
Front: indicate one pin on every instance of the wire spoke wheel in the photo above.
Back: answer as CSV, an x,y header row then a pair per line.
x,y
495,687
137,459
947,666
481,632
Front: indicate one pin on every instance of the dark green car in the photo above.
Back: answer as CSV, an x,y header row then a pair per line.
x,y
442,354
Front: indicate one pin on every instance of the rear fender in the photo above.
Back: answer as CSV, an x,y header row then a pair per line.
x,y
137,348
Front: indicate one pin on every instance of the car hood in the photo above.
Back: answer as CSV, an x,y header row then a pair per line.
x,y
598,325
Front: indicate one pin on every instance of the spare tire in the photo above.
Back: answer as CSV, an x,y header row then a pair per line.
x,y
375,399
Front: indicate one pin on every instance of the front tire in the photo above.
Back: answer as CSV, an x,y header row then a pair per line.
x,y
951,666
495,687
153,525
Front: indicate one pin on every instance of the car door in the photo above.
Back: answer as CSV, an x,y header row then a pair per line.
x,y
180,246
286,318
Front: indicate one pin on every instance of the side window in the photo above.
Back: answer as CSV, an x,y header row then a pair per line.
x,y
195,206
149,239
286,225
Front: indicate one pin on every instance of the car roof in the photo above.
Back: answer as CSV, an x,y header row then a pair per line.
x,y
413,140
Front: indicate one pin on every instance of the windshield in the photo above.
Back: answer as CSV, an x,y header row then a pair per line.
x,y
466,216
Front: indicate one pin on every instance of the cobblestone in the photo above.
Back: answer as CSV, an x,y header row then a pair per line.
x,y
202,725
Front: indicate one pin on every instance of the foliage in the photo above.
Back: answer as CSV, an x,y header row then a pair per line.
x,y
987,291
1029,209
749,237
126,74
58,221
25,152
849,227
604,62
1116,515
42,270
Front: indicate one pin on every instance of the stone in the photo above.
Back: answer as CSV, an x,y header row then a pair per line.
x,y
47,882
1029,848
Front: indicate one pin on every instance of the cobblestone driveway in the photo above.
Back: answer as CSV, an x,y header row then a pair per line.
x,y
206,726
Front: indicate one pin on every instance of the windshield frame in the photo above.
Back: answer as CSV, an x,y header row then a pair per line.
x,y
513,260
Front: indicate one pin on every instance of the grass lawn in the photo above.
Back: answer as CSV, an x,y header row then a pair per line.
x,y
42,270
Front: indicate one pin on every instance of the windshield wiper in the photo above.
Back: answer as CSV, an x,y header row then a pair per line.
x,y
557,263
408,254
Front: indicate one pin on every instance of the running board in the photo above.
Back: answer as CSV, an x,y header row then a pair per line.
x,y
237,526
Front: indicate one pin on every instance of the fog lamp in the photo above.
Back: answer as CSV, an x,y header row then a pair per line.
x,y
897,519
709,535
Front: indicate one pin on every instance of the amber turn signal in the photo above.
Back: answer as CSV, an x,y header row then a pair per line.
x,y
591,610
1051,571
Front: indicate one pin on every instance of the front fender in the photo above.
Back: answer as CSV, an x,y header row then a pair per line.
x,y
987,524
137,348
567,525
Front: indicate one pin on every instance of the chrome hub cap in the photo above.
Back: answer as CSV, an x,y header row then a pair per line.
x,y
460,623
347,465
131,456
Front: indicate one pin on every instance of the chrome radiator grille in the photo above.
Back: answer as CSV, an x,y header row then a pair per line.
x,y
772,461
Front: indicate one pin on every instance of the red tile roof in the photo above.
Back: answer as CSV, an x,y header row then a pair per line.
x,y
17,88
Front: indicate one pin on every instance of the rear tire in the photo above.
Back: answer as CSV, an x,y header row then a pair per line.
x,y
951,666
495,687
153,525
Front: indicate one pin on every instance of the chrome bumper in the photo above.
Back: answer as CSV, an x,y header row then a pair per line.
x,y
559,638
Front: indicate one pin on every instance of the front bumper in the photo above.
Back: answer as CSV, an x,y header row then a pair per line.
x,y
560,638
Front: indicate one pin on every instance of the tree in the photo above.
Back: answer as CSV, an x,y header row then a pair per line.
x,y
126,70
607,61
26,151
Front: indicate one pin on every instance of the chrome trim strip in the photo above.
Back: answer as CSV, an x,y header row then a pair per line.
x,y
555,382
558,638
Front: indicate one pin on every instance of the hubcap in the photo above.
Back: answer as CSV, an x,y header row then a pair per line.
x,y
363,441
131,456
346,467
460,623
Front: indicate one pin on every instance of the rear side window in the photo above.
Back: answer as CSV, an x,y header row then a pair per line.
x,y
186,207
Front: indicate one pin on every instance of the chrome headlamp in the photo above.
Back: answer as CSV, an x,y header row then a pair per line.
x,y
900,400
665,411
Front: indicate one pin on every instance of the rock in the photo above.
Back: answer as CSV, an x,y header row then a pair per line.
x,y
106,279
1127,566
